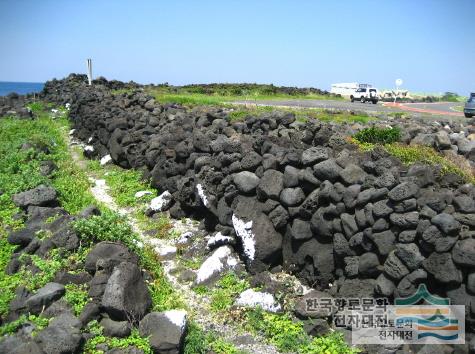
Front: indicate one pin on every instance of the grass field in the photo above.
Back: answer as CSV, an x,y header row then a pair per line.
x,y
221,94
240,112
203,99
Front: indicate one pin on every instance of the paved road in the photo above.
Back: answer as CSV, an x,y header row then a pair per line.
x,y
329,104
438,108
420,109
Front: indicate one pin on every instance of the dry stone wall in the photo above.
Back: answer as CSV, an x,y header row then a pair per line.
x,y
298,195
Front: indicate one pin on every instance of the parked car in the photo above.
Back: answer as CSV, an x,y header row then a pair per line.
x,y
365,94
469,109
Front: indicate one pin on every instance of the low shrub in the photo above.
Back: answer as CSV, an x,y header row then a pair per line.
x,y
375,135
108,226
36,107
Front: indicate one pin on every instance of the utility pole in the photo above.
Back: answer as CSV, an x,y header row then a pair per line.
x,y
89,71
398,84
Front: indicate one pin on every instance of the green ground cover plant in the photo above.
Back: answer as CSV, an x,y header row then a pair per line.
x,y
411,154
19,171
38,321
219,94
24,144
76,296
109,226
199,342
289,336
226,291
133,339
124,184
240,113
375,135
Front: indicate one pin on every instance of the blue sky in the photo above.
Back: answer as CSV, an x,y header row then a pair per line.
x,y
430,44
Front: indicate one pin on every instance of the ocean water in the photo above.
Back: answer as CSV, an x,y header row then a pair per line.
x,y
21,88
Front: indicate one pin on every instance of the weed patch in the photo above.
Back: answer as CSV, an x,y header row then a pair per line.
x,y
411,154
375,135
280,330
19,171
205,96
11,327
108,226
301,114
332,343
226,291
199,342
289,336
124,184
76,296
133,339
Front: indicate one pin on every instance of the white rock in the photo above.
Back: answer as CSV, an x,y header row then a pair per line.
x,y
251,298
202,195
165,252
222,259
89,140
71,132
244,231
100,182
177,317
89,148
219,239
162,202
105,160
142,193
185,238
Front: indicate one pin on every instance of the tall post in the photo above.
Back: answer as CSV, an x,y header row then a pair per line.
x,y
398,84
89,71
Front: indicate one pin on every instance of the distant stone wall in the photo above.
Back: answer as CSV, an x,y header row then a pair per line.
x,y
14,105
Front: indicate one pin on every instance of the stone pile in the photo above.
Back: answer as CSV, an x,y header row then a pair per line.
x,y
14,105
117,292
119,298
